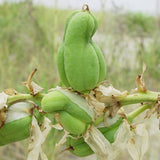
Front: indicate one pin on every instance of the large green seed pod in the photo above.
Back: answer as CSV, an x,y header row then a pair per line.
x,y
17,124
74,112
80,61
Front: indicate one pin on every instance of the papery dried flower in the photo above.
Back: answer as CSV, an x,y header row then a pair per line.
x,y
110,97
102,147
32,86
3,108
3,100
94,104
10,91
37,138
138,143
140,81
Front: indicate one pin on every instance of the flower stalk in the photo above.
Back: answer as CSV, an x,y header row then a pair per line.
x,y
139,98
129,99
23,97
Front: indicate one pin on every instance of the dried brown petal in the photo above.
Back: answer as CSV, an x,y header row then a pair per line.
x,y
57,126
32,86
154,109
10,91
94,104
140,81
3,100
3,116
110,97
151,111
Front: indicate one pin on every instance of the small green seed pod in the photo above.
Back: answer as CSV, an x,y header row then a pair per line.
x,y
17,124
72,124
78,147
74,112
80,62
81,149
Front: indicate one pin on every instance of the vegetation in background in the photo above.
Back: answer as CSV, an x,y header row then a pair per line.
x,y
30,36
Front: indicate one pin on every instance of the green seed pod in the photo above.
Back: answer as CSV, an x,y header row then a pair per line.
x,y
78,147
81,149
17,124
109,132
80,62
74,112
72,124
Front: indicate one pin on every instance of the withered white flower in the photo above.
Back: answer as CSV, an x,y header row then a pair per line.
x,y
108,94
140,81
102,147
63,140
138,143
57,126
110,97
37,138
95,104
16,111
33,88
3,100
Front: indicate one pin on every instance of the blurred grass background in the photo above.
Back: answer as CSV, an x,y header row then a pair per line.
x,y
30,36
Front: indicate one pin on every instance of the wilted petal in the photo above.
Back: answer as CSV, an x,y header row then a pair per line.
x,y
102,147
132,149
138,144
105,94
121,138
110,97
10,91
98,143
63,140
143,136
57,126
37,138
43,156
95,104
3,100
33,88
122,134
140,81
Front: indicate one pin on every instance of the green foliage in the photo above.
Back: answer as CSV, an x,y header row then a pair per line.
x,y
139,23
152,58
26,42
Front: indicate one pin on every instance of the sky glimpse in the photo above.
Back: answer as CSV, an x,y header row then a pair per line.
x,y
145,6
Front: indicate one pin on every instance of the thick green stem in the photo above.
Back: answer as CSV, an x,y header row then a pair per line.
x,y
139,98
23,97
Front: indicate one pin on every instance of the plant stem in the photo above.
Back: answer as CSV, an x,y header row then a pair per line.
x,y
138,111
130,99
139,98
23,97
129,116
